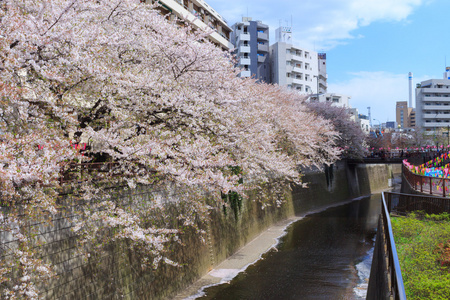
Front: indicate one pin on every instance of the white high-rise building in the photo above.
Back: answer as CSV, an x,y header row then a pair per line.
x,y
292,66
433,104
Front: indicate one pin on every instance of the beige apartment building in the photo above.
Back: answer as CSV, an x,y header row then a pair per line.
x,y
202,16
405,116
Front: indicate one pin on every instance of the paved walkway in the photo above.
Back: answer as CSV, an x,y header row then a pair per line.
x,y
239,261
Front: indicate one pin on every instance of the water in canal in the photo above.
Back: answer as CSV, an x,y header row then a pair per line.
x,y
326,255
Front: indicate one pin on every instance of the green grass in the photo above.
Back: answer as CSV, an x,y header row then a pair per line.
x,y
423,246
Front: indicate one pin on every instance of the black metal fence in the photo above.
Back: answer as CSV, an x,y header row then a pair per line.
x,y
404,203
386,280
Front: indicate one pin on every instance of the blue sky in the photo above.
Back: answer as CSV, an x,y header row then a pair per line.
x,y
371,45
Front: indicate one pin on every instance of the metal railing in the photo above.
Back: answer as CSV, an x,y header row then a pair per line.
x,y
386,280
404,203
397,287
73,172
427,184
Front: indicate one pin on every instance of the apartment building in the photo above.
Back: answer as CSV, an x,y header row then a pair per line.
x,y
292,66
433,104
360,119
251,42
202,16
364,123
405,116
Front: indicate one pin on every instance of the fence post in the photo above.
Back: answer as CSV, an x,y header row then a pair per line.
x,y
415,181
431,187
443,187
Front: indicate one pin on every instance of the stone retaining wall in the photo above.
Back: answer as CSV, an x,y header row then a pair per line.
x,y
117,273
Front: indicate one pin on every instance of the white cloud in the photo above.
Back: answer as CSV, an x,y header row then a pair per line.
x,y
379,90
320,24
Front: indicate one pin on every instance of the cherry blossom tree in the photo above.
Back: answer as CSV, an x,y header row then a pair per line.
x,y
351,137
155,100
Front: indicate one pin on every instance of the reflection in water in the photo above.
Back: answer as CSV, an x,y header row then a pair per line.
x,y
323,256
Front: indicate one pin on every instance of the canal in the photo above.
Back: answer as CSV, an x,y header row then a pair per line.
x,y
325,255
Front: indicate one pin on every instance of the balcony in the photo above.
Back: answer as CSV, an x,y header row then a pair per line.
x,y
435,107
244,37
244,49
437,99
297,58
261,58
436,90
435,124
244,61
263,48
297,81
245,74
263,36
297,70
436,116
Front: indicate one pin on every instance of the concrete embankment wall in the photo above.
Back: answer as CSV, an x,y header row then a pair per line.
x,y
117,273
341,183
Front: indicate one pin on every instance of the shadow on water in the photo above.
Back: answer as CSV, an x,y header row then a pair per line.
x,y
323,256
